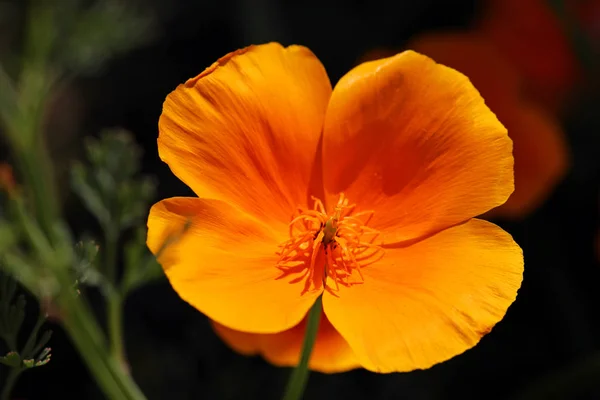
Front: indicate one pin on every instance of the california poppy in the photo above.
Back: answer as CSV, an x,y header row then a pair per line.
x,y
363,194
540,151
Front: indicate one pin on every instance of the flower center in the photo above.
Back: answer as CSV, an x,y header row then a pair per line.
x,y
329,250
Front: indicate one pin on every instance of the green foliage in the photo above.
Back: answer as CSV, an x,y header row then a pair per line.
x,y
11,359
141,266
42,359
8,99
62,39
8,235
113,191
86,270
110,186
12,313
101,31
29,254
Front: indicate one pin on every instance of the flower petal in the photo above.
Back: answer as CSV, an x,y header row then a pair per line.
x,y
223,264
428,302
541,159
246,130
330,354
414,141
540,153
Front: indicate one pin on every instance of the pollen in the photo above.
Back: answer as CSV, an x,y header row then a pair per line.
x,y
329,249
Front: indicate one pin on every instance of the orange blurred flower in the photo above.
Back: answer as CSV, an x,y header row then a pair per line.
x,y
364,194
532,37
7,179
588,12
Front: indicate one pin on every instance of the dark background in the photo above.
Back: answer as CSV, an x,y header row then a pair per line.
x,y
173,353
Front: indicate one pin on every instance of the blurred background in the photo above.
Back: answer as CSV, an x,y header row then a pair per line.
x,y
548,346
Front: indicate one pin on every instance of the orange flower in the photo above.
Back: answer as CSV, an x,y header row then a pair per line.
x,y
540,151
588,12
363,194
531,35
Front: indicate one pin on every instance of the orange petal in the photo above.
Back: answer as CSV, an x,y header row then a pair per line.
x,y
478,59
376,54
414,141
246,130
539,148
224,265
426,303
330,354
541,159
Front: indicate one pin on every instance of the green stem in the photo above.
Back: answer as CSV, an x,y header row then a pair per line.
x,y
85,333
115,299
11,379
115,327
111,237
27,349
299,378
39,182
28,142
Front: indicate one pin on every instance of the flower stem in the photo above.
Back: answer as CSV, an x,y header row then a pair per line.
x,y
29,345
11,379
39,183
114,296
111,238
85,333
299,378
25,132
115,327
